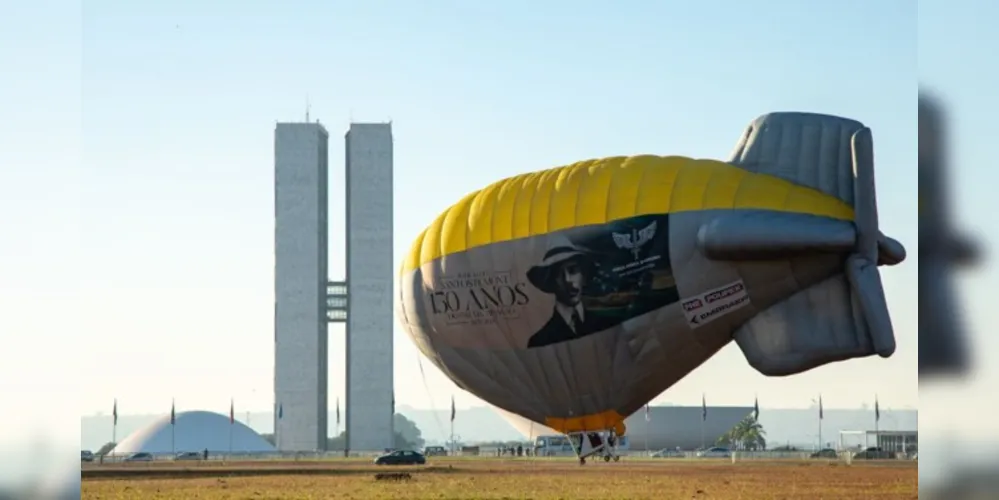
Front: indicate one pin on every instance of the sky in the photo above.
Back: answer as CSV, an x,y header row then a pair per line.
x,y
147,260
954,39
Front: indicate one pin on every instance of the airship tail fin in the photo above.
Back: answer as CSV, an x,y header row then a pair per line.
x,y
807,149
845,316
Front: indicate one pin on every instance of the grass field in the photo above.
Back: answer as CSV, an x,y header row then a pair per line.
x,y
507,479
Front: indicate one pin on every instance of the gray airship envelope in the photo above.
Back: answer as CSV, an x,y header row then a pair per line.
x,y
573,296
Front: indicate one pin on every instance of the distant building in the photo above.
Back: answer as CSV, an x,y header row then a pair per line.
x,y
306,300
301,230
801,427
193,431
891,441
667,426
371,271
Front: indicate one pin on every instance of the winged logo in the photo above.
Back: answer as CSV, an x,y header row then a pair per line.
x,y
636,239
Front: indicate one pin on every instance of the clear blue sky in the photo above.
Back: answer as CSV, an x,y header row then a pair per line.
x,y
955,39
162,230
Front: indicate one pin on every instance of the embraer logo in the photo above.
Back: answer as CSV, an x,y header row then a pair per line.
x,y
713,304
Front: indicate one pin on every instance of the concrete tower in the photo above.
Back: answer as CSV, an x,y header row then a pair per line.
x,y
370,276
300,278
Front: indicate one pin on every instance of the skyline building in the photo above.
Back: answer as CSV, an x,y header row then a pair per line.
x,y
306,300
301,345
370,315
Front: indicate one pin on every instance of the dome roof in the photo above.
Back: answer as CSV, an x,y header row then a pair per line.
x,y
194,431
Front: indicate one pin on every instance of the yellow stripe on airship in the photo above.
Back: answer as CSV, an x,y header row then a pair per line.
x,y
607,189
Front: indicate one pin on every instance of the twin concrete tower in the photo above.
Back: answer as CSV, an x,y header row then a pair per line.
x,y
306,300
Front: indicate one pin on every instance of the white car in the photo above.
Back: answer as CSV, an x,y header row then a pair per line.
x,y
667,453
716,452
139,457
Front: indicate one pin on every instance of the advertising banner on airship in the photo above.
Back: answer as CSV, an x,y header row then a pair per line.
x,y
715,303
548,289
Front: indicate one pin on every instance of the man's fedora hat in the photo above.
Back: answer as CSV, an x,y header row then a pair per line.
x,y
542,275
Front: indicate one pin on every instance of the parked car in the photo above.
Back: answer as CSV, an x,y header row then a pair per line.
x,y
401,457
667,453
86,456
434,451
785,447
139,457
188,455
714,452
873,453
825,453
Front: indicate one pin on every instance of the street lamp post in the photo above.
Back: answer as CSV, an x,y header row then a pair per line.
x,y
819,404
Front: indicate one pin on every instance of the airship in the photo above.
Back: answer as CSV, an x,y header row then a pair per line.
x,y
572,296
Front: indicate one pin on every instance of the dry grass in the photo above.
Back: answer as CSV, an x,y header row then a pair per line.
x,y
510,479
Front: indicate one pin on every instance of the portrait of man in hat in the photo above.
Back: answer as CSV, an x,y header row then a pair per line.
x,y
563,272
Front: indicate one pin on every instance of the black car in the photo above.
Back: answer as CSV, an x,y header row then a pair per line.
x,y
825,453
401,457
873,453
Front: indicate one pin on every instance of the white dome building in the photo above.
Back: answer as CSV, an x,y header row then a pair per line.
x,y
194,431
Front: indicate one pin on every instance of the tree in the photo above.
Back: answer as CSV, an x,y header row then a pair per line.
x,y
748,434
407,434
337,442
